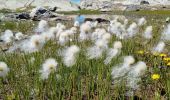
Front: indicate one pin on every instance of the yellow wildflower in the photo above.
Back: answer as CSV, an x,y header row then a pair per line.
x,y
168,64
166,59
140,52
162,55
155,76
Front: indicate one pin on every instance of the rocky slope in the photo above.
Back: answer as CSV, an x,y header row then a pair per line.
x,y
65,5
152,2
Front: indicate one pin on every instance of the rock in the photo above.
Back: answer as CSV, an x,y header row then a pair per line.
x,y
64,5
89,19
99,20
144,2
41,13
60,19
133,8
23,16
90,4
53,9
96,5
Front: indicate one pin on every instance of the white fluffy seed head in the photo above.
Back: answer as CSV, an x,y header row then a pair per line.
x,y
73,30
117,45
36,40
63,38
19,36
101,44
69,55
139,68
129,60
60,26
50,34
35,43
166,33
48,66
141,21
132,30
159,47
8,36
111,53
148,32
126,22
94,24
86,27
42,26
73,49
3,69
106,36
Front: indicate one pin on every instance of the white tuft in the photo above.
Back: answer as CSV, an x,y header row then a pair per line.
x,y
166,33
132,30
135,73
129,60
69,55
7,37
141,21
97,50
159,47
42,26
19,36
117,45
113,52
3,69
48,66
148,32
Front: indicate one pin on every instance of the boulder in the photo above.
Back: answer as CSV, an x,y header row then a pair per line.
x,y
90,4
133,8
64,5
99,20
96,5
144,2
41,12
23,16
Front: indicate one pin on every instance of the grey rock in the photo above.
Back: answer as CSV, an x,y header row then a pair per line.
x,y
23,16
133,8
96,5
144,2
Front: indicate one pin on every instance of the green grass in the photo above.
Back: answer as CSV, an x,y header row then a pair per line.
x,y
83,11
87,79
149,12
4,10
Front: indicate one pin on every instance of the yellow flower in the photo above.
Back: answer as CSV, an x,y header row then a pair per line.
x,y
155,76
140,52
162,55
166,59
168,64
